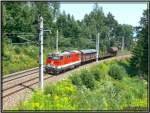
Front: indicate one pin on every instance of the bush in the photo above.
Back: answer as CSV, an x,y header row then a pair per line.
x,y
117,72
87,79
96,73
103,69
76,80
17,50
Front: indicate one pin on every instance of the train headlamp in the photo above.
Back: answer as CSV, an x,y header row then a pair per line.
x,y
48,65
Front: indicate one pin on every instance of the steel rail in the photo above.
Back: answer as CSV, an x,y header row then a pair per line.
x,y
19,84
21,76
20,89
18,73
28,81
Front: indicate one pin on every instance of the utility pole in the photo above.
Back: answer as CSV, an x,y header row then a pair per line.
x,y
122,48
41,54
109,39
57,41
97,47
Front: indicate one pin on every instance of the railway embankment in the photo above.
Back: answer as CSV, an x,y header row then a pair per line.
x,y
19,88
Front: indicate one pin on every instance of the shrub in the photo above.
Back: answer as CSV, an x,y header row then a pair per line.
x,y
103,69
87,79
76,80
17,50
117,72
96,73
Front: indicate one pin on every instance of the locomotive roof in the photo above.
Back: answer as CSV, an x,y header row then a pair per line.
x,y
68,52
65,53
73,51
88,50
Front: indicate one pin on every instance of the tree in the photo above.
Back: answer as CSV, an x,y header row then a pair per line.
x,y
140,52
22,17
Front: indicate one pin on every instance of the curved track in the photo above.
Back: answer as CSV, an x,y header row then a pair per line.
x,y
29,79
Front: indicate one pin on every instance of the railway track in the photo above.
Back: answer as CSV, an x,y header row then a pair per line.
x,y
21,74
17,88
21,80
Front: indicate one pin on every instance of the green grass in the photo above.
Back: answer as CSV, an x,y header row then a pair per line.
x,y
106,93
17,58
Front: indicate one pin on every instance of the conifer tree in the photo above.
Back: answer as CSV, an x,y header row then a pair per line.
x,y
140,52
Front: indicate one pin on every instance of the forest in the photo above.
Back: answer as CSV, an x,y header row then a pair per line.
x,y
21,18
20,25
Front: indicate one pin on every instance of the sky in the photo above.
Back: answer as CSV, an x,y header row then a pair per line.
x,y
123,13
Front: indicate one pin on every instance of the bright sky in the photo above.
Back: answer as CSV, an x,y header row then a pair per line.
x,y
123,13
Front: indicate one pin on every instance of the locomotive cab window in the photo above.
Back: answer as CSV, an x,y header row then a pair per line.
x,y
68,56
54,57
49,57
61,57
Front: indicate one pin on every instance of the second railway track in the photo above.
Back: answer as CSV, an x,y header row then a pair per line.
x,y
21,74
13,81
22,80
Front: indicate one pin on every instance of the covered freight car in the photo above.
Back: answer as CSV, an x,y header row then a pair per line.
x,y
113,51
88,55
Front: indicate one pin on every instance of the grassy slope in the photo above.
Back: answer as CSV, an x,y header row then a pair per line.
x,y
129,93
17,58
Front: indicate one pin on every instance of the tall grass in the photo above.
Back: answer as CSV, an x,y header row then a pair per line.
x,y
17,58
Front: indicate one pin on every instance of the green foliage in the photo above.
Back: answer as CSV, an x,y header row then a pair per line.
x,y
62,88
76,80
117,72
17,50
84,78
140,52
17,58
108,94
55,97
103,69
87,78
96,73
22,17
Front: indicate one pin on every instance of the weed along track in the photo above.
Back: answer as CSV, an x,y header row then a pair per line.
x,y
18,87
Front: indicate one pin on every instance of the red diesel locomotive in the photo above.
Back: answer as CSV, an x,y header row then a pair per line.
x,y
58,62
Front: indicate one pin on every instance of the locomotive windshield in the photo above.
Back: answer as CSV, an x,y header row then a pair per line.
x,y
54,57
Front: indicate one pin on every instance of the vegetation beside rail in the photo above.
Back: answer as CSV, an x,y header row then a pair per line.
x,y
110,85
18,58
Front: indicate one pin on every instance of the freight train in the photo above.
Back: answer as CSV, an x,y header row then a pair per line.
x,y
58,62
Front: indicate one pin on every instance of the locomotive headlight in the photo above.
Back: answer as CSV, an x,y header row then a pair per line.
x,y
48,65
55,67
